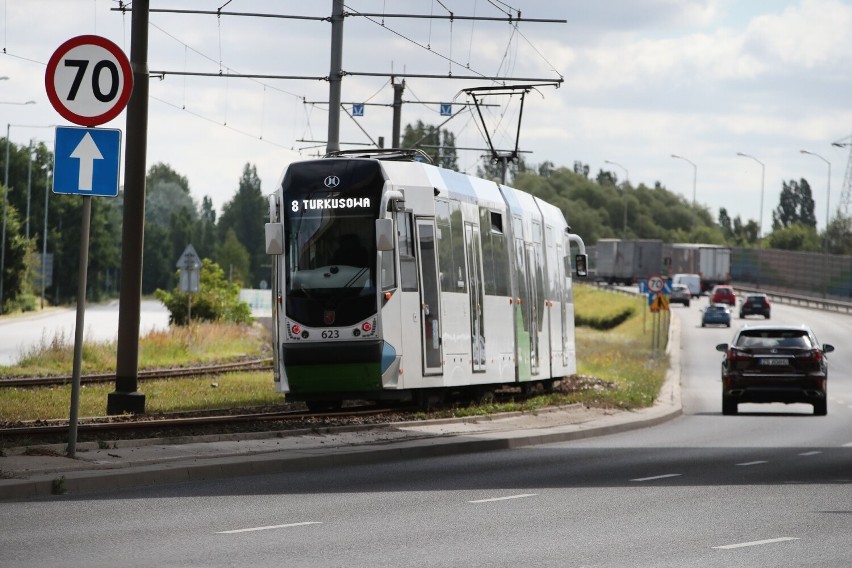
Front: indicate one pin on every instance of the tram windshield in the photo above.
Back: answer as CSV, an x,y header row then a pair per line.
x,y
331,245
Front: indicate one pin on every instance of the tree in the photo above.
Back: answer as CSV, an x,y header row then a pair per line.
x,y
439,144
795,206
246,214
234,259
795,237
216,300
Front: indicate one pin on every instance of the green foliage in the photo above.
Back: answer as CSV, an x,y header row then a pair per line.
x,y
795,206
246,214
217,300
439,144
234,258
602,310
795,237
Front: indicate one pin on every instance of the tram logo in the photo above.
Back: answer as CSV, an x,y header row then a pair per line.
x,y
331,182
328,317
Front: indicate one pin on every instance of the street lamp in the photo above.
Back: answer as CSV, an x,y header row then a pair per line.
x,y
762,178
694,174
627,181
17,103
827,190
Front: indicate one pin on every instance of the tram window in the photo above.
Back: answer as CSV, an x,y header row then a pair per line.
x,y
501,265
496,222
536,232
451,258
407,264
459,265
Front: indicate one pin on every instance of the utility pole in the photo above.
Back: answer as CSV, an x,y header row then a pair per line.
x,y
126,397
398,88
335,77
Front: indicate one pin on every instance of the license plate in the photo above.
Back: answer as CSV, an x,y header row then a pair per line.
x,y
773,361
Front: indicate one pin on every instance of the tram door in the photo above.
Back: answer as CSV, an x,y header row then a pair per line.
x,y
532,269
477,301
430,309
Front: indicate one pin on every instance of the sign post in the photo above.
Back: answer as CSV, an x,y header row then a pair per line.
x,y
88,81
189,265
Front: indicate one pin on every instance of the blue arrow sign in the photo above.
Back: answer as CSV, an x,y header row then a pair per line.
x,y
87,161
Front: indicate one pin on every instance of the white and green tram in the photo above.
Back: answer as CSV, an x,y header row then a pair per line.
x,y
396,279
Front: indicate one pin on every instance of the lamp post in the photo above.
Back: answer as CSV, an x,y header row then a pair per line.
x,y
762,178
694,174
825,241
827,191
627,181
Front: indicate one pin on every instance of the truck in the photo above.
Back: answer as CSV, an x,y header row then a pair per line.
x,y
711,262
619,261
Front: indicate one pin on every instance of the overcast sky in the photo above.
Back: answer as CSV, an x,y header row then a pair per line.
x,y
643,79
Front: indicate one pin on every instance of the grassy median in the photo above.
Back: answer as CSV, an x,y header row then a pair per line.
x,y
616,367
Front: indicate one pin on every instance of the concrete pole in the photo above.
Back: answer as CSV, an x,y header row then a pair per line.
x,y
335,76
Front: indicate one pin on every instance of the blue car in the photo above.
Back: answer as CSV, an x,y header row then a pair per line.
x,y
716,314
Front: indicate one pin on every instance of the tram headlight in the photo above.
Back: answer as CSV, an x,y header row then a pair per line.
x,y
296,329
367,327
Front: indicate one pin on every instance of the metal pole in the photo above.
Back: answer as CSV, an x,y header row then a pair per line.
x,y
335,76
5,204
398,88
29,185
126,397
44,236
762,179
79,330
694,174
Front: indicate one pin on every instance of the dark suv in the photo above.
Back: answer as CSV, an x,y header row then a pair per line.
x,y
774,363
755,304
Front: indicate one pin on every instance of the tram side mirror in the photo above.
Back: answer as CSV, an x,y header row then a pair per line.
x,y
274,238
384,234
581,261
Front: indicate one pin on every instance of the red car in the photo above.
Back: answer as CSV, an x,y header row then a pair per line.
x,y
723,294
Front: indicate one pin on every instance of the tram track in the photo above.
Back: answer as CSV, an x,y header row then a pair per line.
x,y
221,421
151,374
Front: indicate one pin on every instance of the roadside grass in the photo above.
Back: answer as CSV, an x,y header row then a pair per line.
x,y
616,368
176,346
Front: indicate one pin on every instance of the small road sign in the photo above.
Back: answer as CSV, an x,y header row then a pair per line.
x,y
189,265
358,109
88,80
86,161
656,284
446,109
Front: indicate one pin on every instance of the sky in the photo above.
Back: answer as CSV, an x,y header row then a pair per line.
x,y
638,81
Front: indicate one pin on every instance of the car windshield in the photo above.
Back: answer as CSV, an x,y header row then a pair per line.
x,y
783,338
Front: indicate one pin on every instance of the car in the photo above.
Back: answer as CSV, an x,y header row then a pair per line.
x,y
755,304
716,314
680,295
774,363
723,294
691,281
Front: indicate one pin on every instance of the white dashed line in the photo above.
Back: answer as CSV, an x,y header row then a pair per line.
x,y
504,498
655,477
269,528
810,453
758,462
849,445
755,543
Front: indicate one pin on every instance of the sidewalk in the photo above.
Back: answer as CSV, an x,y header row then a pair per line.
x,y
44,471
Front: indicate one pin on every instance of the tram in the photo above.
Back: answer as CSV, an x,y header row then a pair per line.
x,y
393,279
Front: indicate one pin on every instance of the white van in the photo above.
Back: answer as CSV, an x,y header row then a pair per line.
x,y
691,281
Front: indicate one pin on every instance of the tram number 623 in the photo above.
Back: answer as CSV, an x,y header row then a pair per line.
x,y
330,334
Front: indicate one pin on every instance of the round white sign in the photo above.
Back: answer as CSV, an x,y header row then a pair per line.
x,y
656,283
88,80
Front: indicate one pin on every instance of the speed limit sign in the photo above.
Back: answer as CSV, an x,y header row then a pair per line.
x,y
656,284
88,80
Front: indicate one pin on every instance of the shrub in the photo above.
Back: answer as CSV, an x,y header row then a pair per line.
x,y
217,299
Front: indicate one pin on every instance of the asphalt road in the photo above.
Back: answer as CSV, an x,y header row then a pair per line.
x,y
19,334
770,487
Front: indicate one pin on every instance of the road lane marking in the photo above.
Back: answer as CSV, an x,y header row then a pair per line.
x,y
810,453
655,477
755,543
746,464
269,528
504,498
